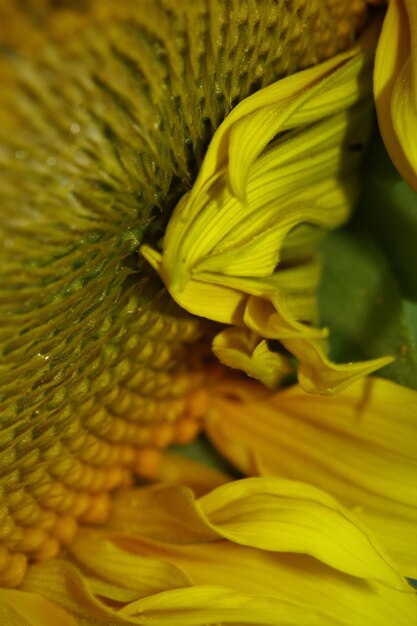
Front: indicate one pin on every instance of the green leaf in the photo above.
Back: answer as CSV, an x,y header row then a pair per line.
x,y
390,208
368,285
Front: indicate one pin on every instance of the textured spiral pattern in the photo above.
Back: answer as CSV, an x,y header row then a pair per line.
x,y
106,110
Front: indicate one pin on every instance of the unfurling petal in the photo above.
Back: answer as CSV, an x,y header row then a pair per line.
x,y
395,83
240,348
240,246
166,557
359,446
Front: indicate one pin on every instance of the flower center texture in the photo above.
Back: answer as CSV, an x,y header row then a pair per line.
x,y
106,112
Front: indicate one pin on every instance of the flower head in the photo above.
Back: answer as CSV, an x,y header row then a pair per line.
x,y
222,139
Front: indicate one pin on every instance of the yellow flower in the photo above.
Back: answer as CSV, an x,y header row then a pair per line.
x,y
120,123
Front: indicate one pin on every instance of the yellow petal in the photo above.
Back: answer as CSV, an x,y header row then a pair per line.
x,y
65,585
358,446
286,516
297,180
198,605
141,575
271,514
222,580
318,100
287,590
225,304
241,349
163,512
203,605
317,373
279,162
278,302
292,590
395,85
332,598
20,608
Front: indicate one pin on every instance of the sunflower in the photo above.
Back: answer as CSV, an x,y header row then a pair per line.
x,y
170,171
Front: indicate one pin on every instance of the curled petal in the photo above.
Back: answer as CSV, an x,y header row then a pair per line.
x,y
241,349
240,246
